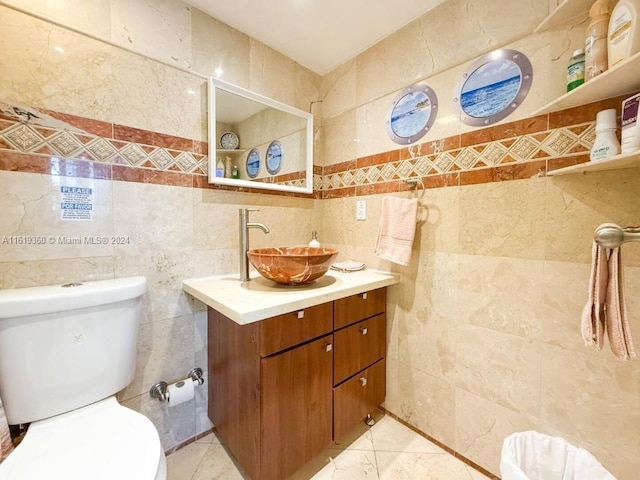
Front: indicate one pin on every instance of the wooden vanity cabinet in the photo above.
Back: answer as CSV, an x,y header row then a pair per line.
x,y
282,389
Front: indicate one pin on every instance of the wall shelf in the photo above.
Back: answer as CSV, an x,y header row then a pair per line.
x,y
566,11
222,150
618,162
619,80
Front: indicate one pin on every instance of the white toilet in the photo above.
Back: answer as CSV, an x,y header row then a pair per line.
x,y
65,351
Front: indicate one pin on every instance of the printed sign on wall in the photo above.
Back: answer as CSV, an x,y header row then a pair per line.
x,y
76,203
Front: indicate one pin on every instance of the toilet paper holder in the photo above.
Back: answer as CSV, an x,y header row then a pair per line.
x,y
159,390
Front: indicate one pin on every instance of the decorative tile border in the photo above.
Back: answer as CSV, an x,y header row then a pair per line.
x,y
42,141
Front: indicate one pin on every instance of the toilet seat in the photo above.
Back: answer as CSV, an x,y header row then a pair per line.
x,y
102,441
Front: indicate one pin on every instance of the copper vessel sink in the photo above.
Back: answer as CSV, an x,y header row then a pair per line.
x,y
292,265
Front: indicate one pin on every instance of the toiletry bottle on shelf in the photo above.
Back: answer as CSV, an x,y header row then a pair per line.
x,y
220,168
595,49
314,240
575,70
227,167
606,144
235,172
623,35
630,125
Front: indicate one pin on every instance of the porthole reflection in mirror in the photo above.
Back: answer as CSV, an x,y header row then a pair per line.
x,y
493,87
253,163
273,160
413,112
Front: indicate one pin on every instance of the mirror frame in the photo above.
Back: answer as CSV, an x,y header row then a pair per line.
x,y
213,141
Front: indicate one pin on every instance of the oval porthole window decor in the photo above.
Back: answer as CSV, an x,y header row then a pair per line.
x,y
494,86
412,114
273,159
253,163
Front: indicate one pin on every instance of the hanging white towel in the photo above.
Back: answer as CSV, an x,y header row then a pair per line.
x,y
5,437
397,229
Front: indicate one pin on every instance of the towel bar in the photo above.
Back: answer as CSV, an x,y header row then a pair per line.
x,y
414,182
612,236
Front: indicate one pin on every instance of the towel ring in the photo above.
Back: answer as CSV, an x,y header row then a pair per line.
x,y
413,184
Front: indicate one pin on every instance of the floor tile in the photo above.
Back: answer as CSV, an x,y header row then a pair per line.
x,y
390,435
181,465
210,438
420,466
386,451
350,465
216,464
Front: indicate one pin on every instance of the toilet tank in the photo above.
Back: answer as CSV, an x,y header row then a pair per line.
x,y
66,346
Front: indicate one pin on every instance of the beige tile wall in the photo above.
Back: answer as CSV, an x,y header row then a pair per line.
x,y
175,232
483,330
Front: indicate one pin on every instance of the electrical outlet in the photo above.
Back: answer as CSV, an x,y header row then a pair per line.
x,y
361,210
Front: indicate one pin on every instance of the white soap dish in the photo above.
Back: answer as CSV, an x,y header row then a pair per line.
x,y
348,266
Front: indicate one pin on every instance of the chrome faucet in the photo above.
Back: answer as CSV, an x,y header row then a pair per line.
x,y
245,225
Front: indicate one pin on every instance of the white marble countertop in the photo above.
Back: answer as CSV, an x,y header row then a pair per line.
x,y
259,298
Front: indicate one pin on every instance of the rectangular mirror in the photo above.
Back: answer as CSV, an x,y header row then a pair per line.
x,y
258,142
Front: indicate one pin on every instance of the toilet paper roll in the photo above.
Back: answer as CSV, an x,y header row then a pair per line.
x,y
180,392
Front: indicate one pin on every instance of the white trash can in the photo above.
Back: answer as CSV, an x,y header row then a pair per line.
x,y
534,456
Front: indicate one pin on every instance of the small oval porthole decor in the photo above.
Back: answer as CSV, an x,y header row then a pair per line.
x,y
412,114
493,86
253,163
273,159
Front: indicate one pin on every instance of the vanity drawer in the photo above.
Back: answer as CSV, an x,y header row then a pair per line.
x,y
357,397
358,346
291,329
358,307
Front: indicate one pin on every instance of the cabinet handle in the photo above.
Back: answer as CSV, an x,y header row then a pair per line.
x,y
328,347
364,295
300,313
363,381
364,330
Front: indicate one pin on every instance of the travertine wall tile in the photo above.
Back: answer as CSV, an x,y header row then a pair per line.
x,y
488,287
218,46
341,138
160,30
423,400
33,215
481,427
503,219
576,204
271,74
339,90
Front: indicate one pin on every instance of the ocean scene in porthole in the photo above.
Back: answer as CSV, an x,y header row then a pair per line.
x,y
253,163
494,86
273,160
491,88
412,113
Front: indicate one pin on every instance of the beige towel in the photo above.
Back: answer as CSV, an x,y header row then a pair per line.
x,y
617,324
593,314
397,229
5,437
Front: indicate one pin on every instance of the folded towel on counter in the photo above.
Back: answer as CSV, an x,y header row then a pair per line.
x,y
593,314
606,310
397,229
348,266
617,322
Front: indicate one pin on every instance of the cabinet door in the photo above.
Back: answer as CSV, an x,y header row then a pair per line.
x,y
296,407
357,397
358,307
358,346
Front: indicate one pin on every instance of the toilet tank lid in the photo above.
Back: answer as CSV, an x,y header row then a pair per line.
x,y
20,302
